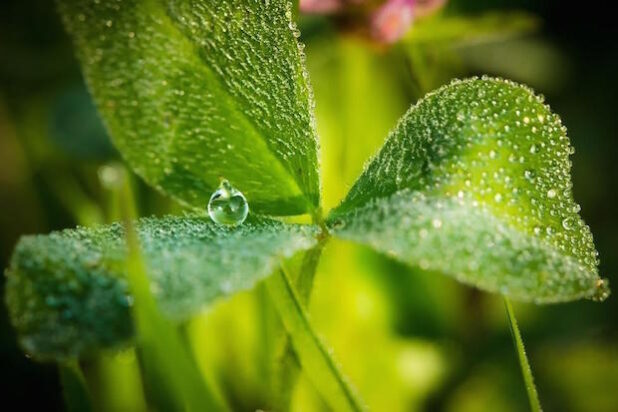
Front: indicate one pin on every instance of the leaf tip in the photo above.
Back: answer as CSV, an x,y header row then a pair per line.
x,y
601,290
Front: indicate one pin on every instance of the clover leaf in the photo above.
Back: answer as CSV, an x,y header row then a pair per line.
x,y
474,182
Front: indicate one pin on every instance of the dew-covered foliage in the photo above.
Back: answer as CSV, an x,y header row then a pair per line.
x,y
494,150
469,243
196,91
209,102
68,294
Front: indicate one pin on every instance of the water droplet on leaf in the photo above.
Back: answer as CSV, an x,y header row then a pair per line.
x,y
227,205
601,290
529,174
567,223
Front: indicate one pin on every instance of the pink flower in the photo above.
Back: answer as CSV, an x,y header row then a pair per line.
x,y
392,20
320,6
388,23
424,8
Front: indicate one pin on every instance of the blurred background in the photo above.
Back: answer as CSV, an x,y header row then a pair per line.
x,y
409,340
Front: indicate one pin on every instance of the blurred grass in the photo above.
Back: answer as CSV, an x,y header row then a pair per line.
x,y
408,340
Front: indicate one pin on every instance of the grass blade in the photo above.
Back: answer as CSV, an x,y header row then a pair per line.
x,y
114,381
164,354
288,367
74,389
533,396
314,358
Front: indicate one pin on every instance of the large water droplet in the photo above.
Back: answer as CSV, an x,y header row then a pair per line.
x,y
227,205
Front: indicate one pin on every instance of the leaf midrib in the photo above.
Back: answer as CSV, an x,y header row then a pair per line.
x,y
231,101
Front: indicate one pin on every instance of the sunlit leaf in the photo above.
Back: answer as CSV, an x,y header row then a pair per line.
x,y
474,182
195,91
67,291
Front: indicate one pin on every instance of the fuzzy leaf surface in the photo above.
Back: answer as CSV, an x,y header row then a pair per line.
x,y
67,292
474,181
196,91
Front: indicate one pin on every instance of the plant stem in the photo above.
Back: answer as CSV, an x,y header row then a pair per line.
x,y
314,358
533,395
74,388
165,358
288,368
306,274
114,381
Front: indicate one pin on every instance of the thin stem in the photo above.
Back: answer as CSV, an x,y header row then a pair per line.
x,y
533,396
74,388
314,358
304,281
167,362
114,381
288,368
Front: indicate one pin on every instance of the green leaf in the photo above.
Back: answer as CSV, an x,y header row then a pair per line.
x,y
195,91
67,292
474,182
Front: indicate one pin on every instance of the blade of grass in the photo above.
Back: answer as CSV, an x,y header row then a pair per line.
x,y
304,280
533,396
288,367
74,389
163,352
114,381
313,356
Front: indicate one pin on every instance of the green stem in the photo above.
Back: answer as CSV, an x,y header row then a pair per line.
x,y
73,198
314,358
304,281
533,395
114,381
74,388
288,368
166,360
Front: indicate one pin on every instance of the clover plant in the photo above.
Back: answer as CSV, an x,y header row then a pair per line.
x,y
473,182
